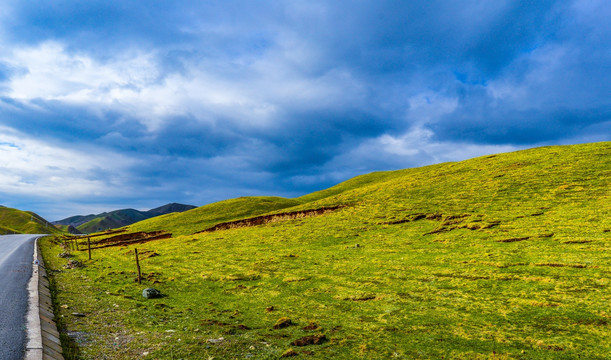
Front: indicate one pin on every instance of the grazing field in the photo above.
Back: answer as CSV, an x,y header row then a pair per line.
x,y
14,221
505,256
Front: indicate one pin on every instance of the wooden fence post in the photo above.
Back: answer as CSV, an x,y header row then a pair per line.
x,y
138,266
89,247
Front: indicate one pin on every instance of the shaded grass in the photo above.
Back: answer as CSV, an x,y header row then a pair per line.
x,y
375,277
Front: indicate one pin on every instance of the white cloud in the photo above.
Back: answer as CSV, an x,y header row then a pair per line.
x,y
32,167
51,73
542,78
429,106
252,93
412,149
417,148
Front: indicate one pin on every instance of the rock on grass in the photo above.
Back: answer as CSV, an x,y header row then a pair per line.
x,y
151,293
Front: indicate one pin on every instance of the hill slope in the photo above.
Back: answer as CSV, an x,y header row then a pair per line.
x,y
206,216
68,229
14,221
118,218
432,188
503,256
203,217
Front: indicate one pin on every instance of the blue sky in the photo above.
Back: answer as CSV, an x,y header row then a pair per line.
x,y
114,104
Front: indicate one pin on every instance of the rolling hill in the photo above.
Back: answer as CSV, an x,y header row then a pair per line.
x,y
205,216
118,218
14,221
503,256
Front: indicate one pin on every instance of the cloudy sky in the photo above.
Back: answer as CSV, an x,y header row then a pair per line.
x,y
114,104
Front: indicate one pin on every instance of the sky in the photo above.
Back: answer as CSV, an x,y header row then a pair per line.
x,y
134,104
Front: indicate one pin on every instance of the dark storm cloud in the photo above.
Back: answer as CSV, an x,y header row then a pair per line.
x,y
202,101
483,123
64,122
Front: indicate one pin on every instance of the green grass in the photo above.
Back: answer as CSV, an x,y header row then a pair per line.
x,y
91,226
198,219
13,221
63,228
504,256
111,220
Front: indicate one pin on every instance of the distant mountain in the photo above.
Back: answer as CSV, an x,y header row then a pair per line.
x,y
118,218
14,221
169,208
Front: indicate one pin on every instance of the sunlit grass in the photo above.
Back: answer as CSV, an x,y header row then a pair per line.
x,y
14,221
504,256
198,219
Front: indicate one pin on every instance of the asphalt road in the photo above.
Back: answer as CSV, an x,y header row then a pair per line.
x,y
16,254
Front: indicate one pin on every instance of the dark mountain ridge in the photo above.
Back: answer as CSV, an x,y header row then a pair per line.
x,y
118,218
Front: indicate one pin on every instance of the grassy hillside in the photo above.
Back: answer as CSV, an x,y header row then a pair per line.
x,y
68,229
13,221
504,256
203,217
195,220
112,220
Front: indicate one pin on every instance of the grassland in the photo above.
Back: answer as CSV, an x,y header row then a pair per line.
x,y
194,220
14,221
500,257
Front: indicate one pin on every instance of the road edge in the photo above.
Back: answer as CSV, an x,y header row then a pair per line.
x,y
43,338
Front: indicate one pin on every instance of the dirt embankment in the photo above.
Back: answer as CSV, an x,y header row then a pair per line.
x,y
265,219
131,238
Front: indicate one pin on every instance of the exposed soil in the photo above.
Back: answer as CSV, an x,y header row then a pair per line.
x,y
462,221
289,353
449,222
546,235
310,340
105,233
153,277
283,323
577,241
265,219
577,266
131,238
124,237
414,217
435,216
514,239
312,326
